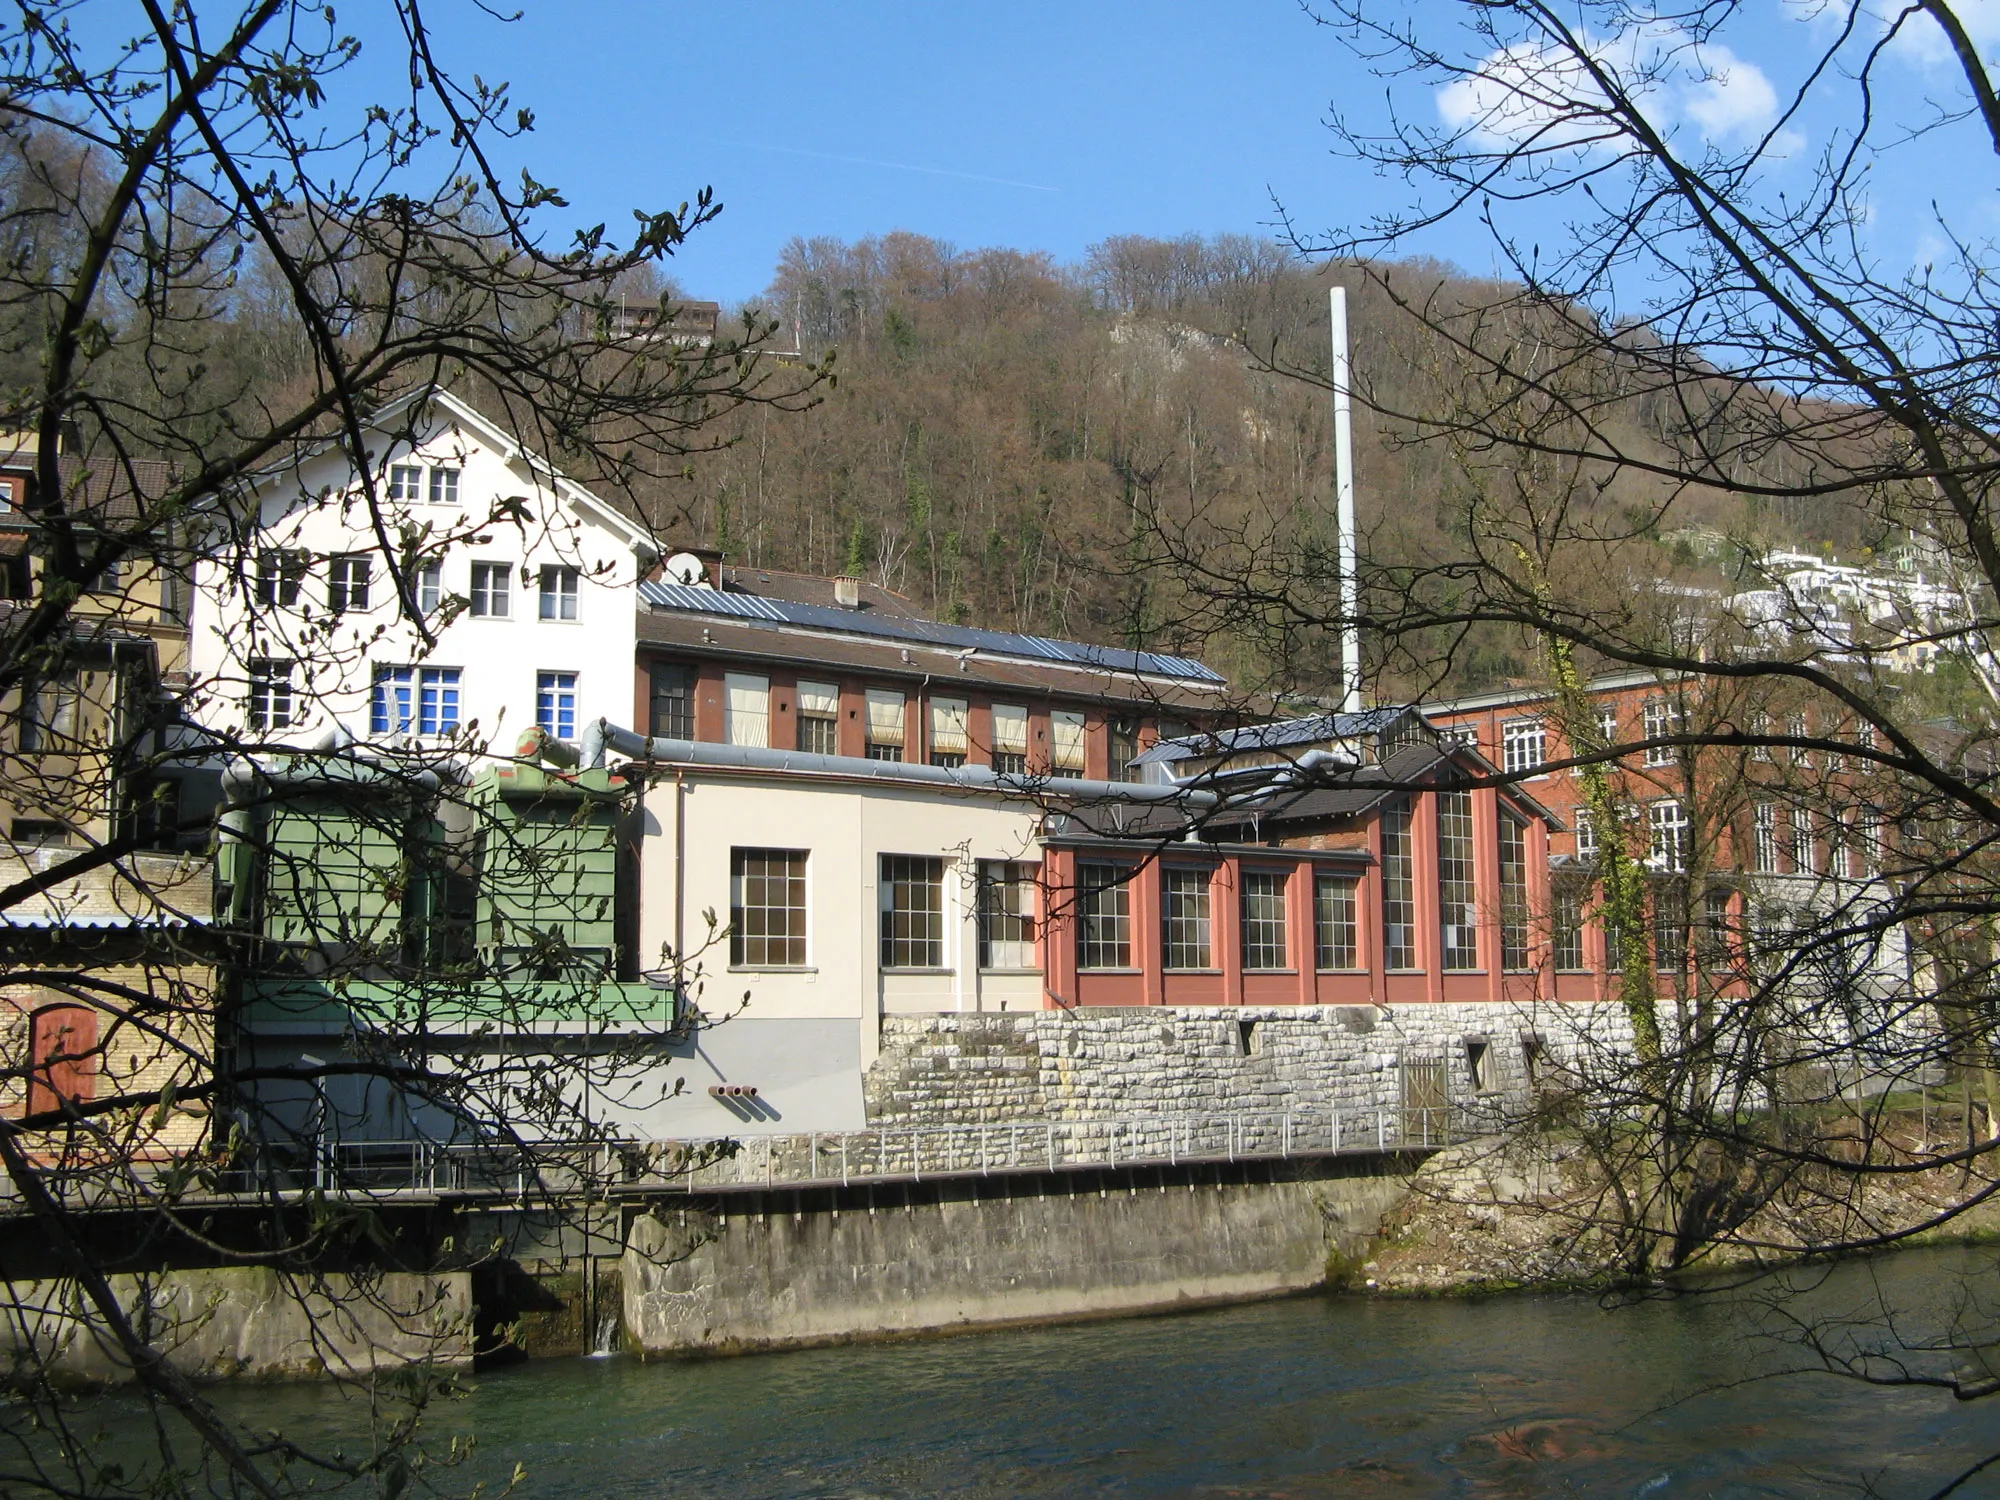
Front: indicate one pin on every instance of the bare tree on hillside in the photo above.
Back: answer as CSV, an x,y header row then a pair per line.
x,y
211,270
1639,179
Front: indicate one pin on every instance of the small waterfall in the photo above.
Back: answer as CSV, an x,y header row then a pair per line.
x,y
604,1336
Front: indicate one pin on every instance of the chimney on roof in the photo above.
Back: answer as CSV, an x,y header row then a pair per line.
x,y
847,592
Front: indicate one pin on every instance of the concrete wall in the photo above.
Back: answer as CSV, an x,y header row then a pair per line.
x,y
934,1259
250,1322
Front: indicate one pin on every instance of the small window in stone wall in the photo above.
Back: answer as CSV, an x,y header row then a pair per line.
x,y
1534,1056
1249,1040
1479,1063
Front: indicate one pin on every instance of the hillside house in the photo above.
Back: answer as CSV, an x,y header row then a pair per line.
x,y
495,594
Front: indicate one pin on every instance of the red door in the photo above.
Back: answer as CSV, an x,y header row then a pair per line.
x,y
65,1057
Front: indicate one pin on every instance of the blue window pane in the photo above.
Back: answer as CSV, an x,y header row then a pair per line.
x,y
439,701
407,698
389,705
555,703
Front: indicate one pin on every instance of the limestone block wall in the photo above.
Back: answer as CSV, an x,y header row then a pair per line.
x,y
1093,1063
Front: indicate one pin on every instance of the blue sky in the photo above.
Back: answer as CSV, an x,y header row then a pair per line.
x,y
1036,125
1048,126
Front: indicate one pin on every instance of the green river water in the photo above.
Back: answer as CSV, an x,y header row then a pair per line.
x,y
1338,1396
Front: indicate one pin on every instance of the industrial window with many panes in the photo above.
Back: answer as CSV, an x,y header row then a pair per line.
x,y
819,718
1184,919
1336,926
912,905
1399,890
1006,914
1104,904
1457,885
1264,920
767,908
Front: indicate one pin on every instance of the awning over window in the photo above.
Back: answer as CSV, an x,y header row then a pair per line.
x,y
1066,736
749,716
948,733
885,717
1010,729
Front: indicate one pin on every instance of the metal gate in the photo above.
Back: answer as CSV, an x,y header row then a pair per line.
x,y
1426,1102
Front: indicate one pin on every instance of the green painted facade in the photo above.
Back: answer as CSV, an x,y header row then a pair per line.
x,y
370,901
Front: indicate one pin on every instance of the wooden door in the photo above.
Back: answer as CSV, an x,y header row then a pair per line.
x,y
64,1057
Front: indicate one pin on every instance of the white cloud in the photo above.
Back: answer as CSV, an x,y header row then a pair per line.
x,y
1734,101
1921,42
1531,92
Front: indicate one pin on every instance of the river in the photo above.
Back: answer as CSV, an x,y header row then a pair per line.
x,y
1346,1396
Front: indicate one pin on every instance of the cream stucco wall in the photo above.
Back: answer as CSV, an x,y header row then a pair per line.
x,y
507,511
844,827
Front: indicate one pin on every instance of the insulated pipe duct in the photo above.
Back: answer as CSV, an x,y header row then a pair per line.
x,y
234,822
601,737
538,744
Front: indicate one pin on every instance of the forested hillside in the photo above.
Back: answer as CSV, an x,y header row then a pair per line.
x,y
1003,425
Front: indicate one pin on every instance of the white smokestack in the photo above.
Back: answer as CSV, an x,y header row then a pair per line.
x,y
1343,495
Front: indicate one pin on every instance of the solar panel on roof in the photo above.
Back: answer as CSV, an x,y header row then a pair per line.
x,y
927,632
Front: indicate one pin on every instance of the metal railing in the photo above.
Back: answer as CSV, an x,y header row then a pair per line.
x,y
913,1152
878,1154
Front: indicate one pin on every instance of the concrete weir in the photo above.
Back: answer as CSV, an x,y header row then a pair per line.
x,y
785,1269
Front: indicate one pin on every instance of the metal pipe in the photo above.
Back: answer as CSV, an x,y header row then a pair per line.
x,y
536,743
601,738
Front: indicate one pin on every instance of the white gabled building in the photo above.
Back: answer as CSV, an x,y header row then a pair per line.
x,y
525,581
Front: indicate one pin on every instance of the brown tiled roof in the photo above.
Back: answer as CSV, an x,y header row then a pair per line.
x,y
809,588
771,645
101,491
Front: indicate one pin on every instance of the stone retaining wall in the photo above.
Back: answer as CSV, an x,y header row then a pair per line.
x,y
741,1275
1103,1063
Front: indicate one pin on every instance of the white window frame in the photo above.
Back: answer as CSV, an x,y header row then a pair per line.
x,y
1764,838
1661,717
406,484
1524,745
271,704
1583,823
559,587
1668,831
345,592
552,686
492,592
